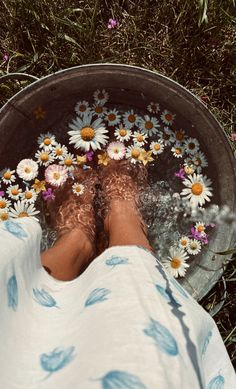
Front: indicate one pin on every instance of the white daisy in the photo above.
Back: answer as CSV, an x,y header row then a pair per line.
x,y
191,145
82,107
194,246
153,108
78,188
179,135
189,168
157,147
4,215
177,150
183,242
122,134
175,263
46,141
134,152
14,192
44,157
167,117
98,110
29,196
86,134
56,175
149,125
59,151
101,97
112,117
199,161
200,228
8,176
139,138
167,136
4,203
23,209
27,169
198,189
69,161
131,119
116,150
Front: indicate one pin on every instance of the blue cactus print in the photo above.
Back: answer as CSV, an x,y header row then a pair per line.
x,y
114,261
116,379
179,287
167,295
206,342
57,359
44,298
217,382
15,229
97,295
162,337
12,292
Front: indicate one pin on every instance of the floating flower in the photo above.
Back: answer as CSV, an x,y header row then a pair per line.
x,y
69,161
133,152
103,159
98,109
89,155
203,237
39,186
8,176
78,189
139,138
46,141
86,134
56,175
116,150
177,150
157,147
101,96
5,57
113,117
23,209
145,157
191,145
180,135
82,108
183,242
167,136
48,194
193,247
122,134
2,193
153,108
149,125
4,215
167,117
181,174
27,169
112,23
198,190
44,157
59,151
233,137
39,113
81,159
4,203
29,195
199,161
175,263
14,192
200,228
188,169
131,119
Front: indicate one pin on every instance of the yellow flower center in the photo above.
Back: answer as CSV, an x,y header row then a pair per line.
x,y
197,188
116,150
111,117
44,157
191,146
179,135
135,153
197,162
122,132
7,175
28,195
131,118
4,216
67,162
59,151
87,133
28,170
193,246
47,141
3,204
23,214
14,192
56,176
201,228
157,146
98,109
140,138
175,263
78,189
82,108
177,150
168,117
149,125
183,242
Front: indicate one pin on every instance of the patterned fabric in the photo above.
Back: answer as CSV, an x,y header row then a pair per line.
x,y
123,324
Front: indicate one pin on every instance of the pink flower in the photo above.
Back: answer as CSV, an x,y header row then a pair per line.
x,y
197,235
112,23
48,194
6,57
204,99
2,193
89,155
180,174
56,175
233,137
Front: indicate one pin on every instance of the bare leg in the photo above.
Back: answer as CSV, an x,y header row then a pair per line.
x,y
69,257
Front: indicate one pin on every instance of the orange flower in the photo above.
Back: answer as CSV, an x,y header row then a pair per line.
x,y
39,186
39,113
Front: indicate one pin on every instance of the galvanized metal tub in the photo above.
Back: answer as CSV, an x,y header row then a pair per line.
x,y
128,86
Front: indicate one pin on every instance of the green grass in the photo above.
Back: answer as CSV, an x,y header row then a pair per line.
x,y
169,36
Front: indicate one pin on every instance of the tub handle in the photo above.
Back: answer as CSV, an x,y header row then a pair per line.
x,y
18,76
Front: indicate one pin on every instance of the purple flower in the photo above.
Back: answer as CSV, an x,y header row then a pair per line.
x,y
199,236
48,194
2,193
180,174
89,155
112,23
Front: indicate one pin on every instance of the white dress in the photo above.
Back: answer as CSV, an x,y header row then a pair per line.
x,y
122,324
